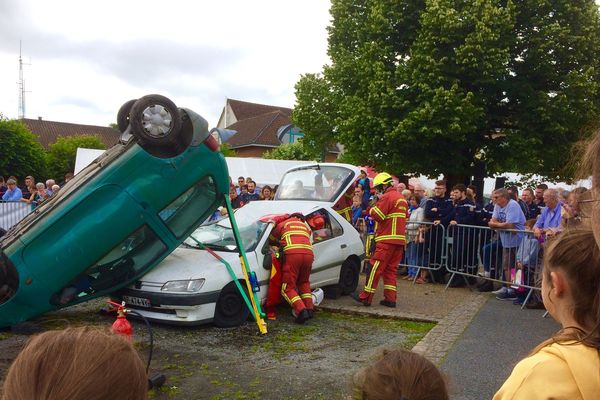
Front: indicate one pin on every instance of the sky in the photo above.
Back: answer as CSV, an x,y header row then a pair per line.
x,y
84,59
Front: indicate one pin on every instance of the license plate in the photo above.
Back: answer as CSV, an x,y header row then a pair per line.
x,y
137,301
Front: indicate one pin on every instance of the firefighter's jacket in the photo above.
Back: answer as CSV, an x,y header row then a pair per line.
x,y
344,205
292,235
390,214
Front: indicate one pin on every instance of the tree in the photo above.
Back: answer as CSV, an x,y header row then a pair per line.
x,y
450,86
61,154
227,150
315,109
290,151
22,153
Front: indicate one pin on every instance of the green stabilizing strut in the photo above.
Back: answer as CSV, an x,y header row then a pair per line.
x,y
241,250
235,279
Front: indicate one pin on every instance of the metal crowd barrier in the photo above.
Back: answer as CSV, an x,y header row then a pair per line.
x,y
425,248
473,253
11,212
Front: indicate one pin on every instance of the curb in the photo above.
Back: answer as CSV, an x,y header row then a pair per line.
x,y
439,340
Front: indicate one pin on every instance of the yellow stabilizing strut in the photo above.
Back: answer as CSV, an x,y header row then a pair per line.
x,y
257,312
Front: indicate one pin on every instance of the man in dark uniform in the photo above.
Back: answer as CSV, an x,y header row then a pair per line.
x,y
464,242
437,210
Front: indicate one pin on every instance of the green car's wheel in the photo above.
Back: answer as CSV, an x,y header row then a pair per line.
x,y
123,115
156,122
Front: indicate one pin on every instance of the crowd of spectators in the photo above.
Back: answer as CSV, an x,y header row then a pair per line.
x,y
519,227
30,192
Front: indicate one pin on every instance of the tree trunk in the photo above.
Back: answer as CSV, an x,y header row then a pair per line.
x,y
454,179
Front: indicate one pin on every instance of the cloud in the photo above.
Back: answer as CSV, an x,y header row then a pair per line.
x,y
88,58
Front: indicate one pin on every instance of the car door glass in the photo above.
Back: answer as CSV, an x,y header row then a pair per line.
x,y
336,228
331,229
129,259
193,205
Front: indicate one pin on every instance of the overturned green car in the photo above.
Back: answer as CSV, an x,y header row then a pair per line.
x,y
117,218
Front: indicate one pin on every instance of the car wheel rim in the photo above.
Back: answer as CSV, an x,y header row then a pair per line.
x,y
231,305
157,121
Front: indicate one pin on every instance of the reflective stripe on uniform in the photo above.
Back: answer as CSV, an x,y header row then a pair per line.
x,y
297,246
292,300
390,237
346,213
301,233
396,215
378,212
389,287
369,285
306,295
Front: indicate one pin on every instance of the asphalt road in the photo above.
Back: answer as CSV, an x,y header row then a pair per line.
x,y
498,337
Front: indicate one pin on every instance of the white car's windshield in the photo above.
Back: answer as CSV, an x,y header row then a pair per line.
x,y
317,183
219,236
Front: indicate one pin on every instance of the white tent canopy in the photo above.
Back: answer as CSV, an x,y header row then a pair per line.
x,y
269,172
263,172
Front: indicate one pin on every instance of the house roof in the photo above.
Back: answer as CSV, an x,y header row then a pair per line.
x,y
244,109
49,131
260,130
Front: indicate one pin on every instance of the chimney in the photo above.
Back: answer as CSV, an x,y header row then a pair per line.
x,y
39,118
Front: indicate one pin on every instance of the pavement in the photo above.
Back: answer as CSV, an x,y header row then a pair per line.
x,y
477,339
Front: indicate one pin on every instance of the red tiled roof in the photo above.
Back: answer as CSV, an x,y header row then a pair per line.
x,y
259,130
49,131
244,109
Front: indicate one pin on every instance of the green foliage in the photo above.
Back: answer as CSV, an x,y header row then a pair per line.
x,y
314,112
61,154
290,151
227,150
22,153
429,85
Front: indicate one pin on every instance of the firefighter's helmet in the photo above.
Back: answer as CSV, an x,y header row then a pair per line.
x,y
316,222
382,178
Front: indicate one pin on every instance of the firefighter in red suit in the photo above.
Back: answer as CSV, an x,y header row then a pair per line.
x,y
390,236
344,204
293,236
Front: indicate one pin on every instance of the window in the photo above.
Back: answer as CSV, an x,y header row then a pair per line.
x,y
193,205
123,263
319,182
219,235
331,229
336,228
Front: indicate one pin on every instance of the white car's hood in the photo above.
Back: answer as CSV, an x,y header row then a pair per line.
x,y
186,263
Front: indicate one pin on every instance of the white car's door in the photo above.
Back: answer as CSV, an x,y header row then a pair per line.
x,y
330,252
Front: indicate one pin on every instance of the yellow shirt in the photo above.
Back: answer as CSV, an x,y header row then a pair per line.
x,y
557,372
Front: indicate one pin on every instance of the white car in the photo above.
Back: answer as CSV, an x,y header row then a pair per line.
x,y
191,286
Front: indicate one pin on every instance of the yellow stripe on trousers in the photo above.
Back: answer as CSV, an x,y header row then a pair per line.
x,y
369,285
290,301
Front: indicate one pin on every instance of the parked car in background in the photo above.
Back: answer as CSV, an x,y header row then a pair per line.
x,y
119,217
191,286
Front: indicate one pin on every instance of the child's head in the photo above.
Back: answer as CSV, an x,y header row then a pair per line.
x,y
400,374
529,224
77,363
572,267
355,201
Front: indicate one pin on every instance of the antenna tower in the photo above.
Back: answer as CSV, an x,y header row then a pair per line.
x,y
21,86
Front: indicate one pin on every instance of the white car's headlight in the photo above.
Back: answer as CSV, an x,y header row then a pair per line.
x,y
190,285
